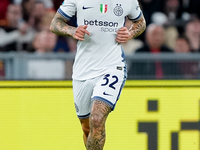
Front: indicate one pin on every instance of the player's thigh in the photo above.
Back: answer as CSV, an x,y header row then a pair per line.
x,y
82,91
109,86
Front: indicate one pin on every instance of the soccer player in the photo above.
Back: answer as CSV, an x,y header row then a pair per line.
x,y
99,70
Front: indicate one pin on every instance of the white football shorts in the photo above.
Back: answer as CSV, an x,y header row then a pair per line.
x,y
106,88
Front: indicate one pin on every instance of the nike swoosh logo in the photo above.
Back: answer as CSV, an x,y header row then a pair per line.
x,y
104,93
86,7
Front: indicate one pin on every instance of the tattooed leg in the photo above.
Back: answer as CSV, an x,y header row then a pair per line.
x,y
98,115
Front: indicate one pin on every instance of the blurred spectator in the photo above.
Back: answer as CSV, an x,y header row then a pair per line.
x,y
171,34
182,45
62,42
12,16
172,10
191,6
151,6
171,31
154,40
153,69
28,11
192,32
3,8
189,68
45,20
184,9
171,16
44,42
177,12
39,12
14,34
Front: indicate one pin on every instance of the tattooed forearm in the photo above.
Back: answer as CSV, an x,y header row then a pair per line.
x,y
60,27
137,28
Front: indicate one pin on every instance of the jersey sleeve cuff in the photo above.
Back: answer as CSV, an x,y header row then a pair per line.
x,y
136,17
63,14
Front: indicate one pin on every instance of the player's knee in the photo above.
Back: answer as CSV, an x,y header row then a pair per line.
x,y
99,114
96,120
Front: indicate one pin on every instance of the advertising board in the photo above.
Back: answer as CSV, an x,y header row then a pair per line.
x,y
150,115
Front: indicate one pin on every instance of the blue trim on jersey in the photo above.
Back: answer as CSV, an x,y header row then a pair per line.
x,y
124,21
125,77
63,14
136,17
123,55
84,116
103,100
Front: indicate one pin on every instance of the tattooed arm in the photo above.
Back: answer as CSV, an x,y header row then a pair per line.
x,y
60,27
137,28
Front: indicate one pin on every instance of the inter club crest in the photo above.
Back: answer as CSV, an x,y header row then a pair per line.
x,y
103,8
118,10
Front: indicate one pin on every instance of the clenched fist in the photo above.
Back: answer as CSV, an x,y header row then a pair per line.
x,y
123,35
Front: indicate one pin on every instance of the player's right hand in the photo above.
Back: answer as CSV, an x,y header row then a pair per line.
x,y
80,32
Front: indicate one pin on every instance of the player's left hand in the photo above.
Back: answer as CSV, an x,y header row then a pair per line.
x,y
123,35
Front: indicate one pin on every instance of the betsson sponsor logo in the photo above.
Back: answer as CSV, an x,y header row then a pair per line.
x,y
105,25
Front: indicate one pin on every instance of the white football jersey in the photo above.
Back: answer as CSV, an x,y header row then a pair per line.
x,y
104,18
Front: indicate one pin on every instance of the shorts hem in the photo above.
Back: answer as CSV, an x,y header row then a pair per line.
x,y
83,116
104,100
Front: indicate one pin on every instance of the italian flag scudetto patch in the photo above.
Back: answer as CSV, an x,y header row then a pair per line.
x,y
103,8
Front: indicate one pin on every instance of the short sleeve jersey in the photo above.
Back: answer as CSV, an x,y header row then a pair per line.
x,y
99,51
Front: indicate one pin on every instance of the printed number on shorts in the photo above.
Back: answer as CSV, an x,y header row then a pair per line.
x,y
111,85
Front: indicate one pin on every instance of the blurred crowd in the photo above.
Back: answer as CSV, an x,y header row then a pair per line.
x,y
24,26
173,26
180,21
